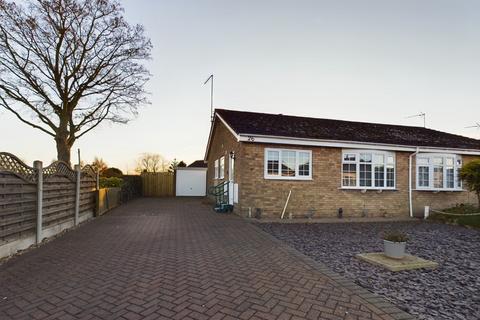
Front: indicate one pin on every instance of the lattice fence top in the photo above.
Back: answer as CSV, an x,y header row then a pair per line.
x,y
59,168
10,163
88,170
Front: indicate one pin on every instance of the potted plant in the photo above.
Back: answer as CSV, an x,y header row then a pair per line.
x,y
394,244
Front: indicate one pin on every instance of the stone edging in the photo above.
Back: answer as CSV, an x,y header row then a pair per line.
x,y
329,220
377,301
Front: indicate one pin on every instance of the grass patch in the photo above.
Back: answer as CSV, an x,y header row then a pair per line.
x,y
464,215
462,209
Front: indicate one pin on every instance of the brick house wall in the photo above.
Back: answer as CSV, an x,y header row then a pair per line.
x,y
321,195
222,143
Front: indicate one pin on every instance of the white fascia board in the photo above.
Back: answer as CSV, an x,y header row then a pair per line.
x,y
209,141
349,144
210,136
191,168
229,128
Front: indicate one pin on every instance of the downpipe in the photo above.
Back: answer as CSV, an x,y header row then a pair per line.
x,y
410,180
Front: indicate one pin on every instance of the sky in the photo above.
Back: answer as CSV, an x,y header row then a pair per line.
x,y
373,61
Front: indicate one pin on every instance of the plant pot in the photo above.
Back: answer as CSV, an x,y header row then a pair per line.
x,y
394,250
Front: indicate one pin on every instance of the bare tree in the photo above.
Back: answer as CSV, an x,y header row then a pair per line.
x,y
174,164
99,164
151,162
68,65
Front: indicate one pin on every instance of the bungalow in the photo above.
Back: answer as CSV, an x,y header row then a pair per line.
x,y
364,169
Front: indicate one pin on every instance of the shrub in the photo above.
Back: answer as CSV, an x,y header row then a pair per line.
x,y
112,182
131,188
470,174
112,172
395,236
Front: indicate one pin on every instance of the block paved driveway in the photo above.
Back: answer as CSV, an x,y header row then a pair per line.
x,y
176,259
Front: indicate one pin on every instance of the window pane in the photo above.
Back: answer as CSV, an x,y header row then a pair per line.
x,y
449,161
273,163
303,163
450,178
365,174
438,176
379,176
222,168
422,161
366,157
288,163
216,169
349,157
459,166
459,181
379,158
423,177
437,160
390,177
349,175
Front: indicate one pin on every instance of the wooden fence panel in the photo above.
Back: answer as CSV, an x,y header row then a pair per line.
x,y
18,199
58,200
159,184
88,187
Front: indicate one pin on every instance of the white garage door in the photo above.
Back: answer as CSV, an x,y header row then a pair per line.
x,y
191,182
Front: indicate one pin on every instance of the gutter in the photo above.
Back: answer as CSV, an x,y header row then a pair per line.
x,y
410,180
245,137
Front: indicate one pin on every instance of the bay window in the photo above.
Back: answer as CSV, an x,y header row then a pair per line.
x,y
368,169
288,164
438,172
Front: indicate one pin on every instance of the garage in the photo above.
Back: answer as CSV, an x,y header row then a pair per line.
x,y
191,182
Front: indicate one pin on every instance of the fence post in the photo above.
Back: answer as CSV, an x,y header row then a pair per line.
x,y
78,173
39,171
97,177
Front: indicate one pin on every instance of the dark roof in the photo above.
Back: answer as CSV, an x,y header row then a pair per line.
x,y
279,125
198,164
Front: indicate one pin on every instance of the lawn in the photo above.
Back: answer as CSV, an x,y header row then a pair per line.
x,y
450,292
464,215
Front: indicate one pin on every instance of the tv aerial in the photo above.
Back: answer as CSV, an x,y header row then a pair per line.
x,y
422,115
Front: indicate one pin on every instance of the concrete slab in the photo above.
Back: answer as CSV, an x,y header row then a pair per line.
x,y
409,262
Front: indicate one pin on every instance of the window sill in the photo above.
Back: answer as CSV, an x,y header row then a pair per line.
x,y
439,190
288,178
368,189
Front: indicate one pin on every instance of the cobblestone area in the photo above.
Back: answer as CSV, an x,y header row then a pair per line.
x,y
450,292
177,259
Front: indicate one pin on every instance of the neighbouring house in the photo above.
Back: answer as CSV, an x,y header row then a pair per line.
x,y
198,164
366,169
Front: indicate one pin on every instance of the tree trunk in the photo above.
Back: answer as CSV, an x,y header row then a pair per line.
x,y
63,149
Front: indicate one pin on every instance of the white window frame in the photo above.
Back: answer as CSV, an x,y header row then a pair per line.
x,y
279,176
221,167
457,164
357,153
216,169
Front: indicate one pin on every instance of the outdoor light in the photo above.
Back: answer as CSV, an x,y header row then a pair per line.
x,y
232,154
340,213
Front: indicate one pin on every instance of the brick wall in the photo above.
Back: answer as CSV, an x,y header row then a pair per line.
x,y
322,194
223,142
